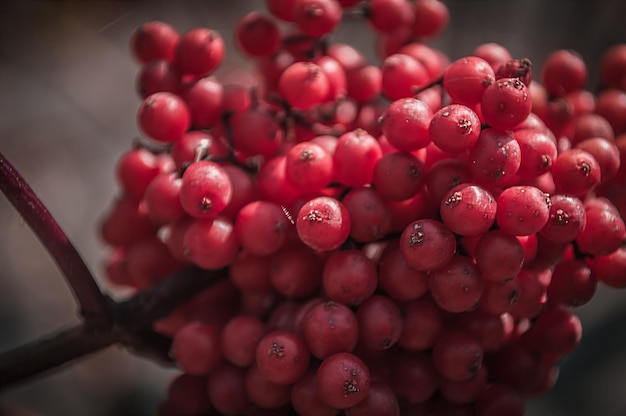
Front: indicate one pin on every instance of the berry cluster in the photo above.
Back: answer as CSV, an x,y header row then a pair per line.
x,y
402,238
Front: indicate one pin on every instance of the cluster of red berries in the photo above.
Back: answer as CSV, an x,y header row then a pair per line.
x,y
402,238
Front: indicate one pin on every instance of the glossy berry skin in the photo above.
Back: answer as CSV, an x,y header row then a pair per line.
x,y
199,52
431,18
316,17
457,286
398,280
455,128
495,158
309,167
572,283
387,15
567,219
135,170
164,117
239,339
494,53
557,331
427,244
342,380
355,158
506,103
499,256
380,323
157,76
457,356
204,99
329,328
303,85
261,227
406,124
257,35
538,152
613,67
206,189
605,230
210,244
575,172
196,348
256,132
162,198
563,71
466,79
402,75
349,277
398,175
522,210
380,401
282,357
154,41
468,210
323,223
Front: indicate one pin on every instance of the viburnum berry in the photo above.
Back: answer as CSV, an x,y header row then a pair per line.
x,y
303,85
342,380
494,53
388,15
402,75
505,103
257,35
205,190
563,71
454,128
199,52
164,117
323,223
316,17
204,98
154,41
406,124
466,79
431,18
158,76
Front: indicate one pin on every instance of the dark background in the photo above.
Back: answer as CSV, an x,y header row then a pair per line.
x,y
67,111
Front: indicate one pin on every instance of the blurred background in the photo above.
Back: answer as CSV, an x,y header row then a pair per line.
x,y
67,111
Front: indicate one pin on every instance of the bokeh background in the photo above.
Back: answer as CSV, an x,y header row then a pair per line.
x,y
67,111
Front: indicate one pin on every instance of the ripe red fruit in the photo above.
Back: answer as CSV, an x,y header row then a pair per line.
x,y
303,85
164,117
154,41
257,35
323,223
206,189
563,71
505,103
342,380
199,52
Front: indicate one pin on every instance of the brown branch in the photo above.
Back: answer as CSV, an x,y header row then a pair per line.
x,y
163,297
132,322
105,322
94,306
52,351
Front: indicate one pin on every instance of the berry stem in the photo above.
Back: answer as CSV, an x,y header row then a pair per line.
x,y
93,304
51,351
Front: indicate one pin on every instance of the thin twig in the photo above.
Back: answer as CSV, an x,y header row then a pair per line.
x,y
94,306
133,320
163,297
51,352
